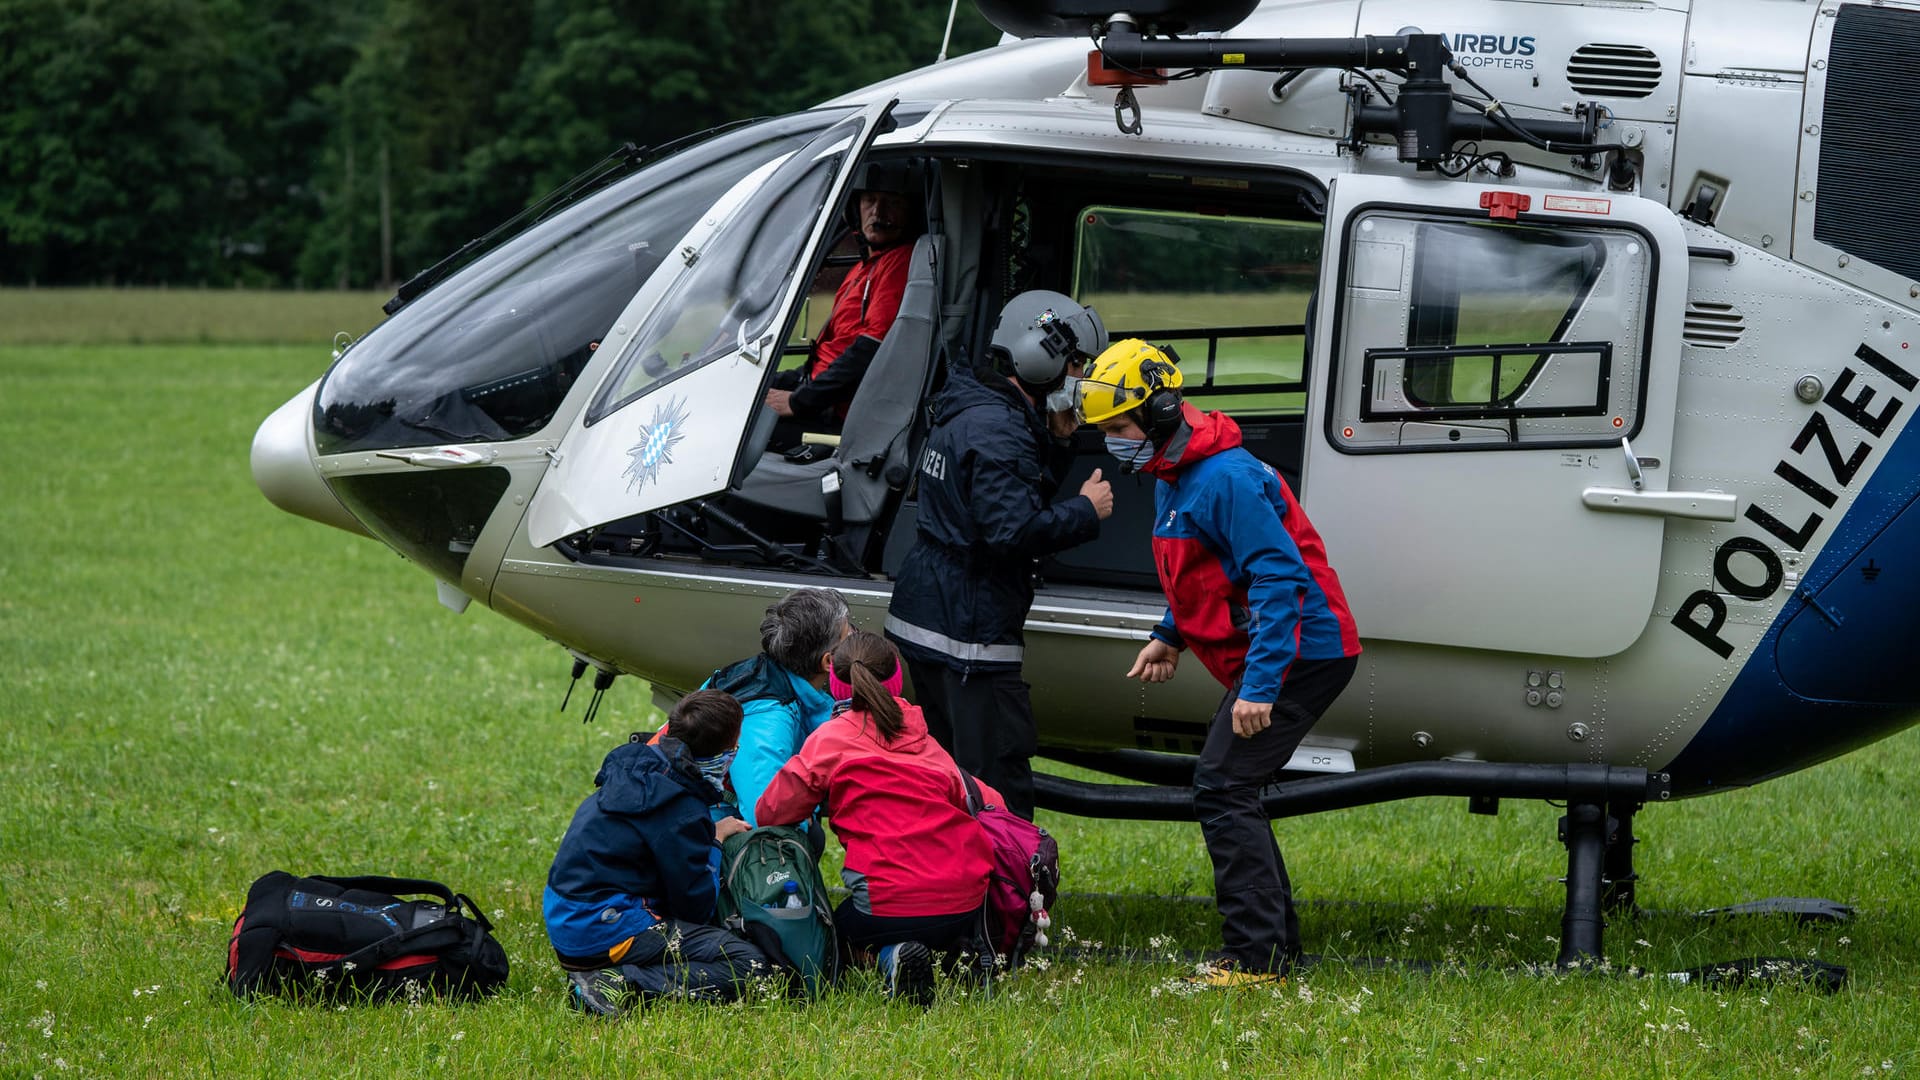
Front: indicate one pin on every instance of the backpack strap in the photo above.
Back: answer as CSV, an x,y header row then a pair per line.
x,y
394,885
434,936
414,887
975,803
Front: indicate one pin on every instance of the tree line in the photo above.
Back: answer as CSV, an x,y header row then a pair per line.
x,y
347,144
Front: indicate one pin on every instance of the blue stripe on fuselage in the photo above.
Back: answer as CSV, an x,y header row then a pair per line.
x,y
1841,647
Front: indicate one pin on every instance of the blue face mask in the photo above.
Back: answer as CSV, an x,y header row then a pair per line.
x,y
1129,451
715,768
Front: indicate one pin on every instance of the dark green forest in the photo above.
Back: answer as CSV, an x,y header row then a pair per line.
x,y
295,143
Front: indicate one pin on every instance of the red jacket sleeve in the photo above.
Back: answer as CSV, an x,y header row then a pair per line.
x,y
799,786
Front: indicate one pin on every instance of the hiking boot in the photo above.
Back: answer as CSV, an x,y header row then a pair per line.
x,y
1227,973
598,993
906,971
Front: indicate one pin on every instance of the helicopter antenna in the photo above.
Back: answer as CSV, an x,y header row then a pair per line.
x,y
948,39
579,669
601,680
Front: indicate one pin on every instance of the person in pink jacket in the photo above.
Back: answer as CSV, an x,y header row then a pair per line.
x,y
917,862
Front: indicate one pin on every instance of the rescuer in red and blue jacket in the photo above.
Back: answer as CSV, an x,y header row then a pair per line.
x,y
1250,591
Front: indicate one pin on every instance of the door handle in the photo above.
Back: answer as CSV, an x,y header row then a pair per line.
x,y
447,457
1699,505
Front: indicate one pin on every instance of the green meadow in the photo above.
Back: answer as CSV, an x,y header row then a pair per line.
x,y
196,688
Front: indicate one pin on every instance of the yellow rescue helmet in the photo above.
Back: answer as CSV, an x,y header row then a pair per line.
x,y
1122,378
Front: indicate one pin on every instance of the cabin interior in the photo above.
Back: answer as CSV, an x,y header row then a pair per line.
x,y
1220,265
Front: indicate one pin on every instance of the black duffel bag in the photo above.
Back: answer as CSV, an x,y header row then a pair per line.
x,y
355,939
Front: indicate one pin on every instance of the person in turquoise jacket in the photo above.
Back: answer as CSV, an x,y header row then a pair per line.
x,y
782,690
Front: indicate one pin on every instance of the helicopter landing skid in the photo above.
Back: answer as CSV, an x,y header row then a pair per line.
x,y
1599,845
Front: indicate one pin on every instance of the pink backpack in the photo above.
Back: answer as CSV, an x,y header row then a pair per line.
x,y
1025,882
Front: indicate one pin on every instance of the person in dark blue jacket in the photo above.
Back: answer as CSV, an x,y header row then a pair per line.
x,y
632,892
993,461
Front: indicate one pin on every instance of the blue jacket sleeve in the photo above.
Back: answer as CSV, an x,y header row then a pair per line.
x,y
1013,516
1243,522
1166,632
682,852
770,735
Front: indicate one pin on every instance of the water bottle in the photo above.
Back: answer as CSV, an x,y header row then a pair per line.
x,y
792,889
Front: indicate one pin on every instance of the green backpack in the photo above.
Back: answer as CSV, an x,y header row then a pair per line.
x,y
794,927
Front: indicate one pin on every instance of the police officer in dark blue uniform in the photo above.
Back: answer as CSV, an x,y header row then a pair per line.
x,y
993,461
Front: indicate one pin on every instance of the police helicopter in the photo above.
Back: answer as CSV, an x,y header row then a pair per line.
x,y
1583,331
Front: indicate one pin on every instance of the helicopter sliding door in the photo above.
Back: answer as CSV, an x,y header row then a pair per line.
x,y
669,420
1487,356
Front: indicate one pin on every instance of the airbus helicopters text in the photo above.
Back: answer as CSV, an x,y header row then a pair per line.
x,y
1583,332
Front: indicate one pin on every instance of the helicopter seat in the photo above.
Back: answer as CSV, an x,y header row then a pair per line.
x,y
852,485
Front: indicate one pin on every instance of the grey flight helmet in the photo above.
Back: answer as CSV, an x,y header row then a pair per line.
x,y
1039,333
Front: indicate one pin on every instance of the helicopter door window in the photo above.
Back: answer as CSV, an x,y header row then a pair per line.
x,y
726,300
1228,293
1477,335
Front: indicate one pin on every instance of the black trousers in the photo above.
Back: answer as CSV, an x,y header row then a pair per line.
x,y
985,720
937,932
683,958
1250,882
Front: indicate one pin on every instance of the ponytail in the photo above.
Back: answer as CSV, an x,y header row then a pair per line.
x,y
865,661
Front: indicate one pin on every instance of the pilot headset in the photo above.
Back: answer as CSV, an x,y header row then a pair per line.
x,y
1162,410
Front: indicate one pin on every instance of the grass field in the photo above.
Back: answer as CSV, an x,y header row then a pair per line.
x,y
184,316
198,689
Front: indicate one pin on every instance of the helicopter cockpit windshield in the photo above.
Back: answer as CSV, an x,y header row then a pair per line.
x,y
709,338
489,354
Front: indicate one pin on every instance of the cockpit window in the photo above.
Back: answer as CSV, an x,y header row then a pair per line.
x,y
730,296
490,353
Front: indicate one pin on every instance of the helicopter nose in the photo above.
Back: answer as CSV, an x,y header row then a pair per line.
x,y
284,470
